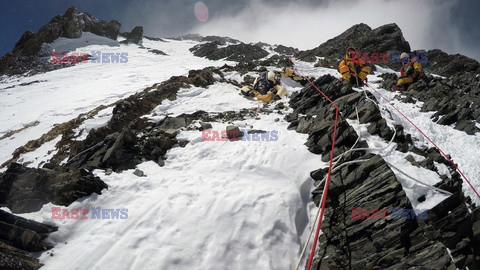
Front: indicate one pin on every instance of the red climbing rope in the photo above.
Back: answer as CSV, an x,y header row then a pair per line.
x,y
325,189
430,140
330,165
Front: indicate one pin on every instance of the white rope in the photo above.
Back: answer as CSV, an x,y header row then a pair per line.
x,y
321,202
420,182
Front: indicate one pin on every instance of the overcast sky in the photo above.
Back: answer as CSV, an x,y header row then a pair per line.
x,y
450,25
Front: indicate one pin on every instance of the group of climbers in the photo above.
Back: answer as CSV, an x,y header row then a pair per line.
x,y
353,69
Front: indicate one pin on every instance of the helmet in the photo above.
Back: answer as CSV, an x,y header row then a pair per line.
x,y
271,76
404,55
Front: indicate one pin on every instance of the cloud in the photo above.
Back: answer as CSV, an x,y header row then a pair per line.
x,y
159,18
306,24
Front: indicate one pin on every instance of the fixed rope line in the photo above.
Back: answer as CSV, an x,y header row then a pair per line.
x,y
330,165
430,140
318,212
325,190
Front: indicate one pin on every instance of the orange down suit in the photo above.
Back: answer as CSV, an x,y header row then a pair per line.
x,y
353,68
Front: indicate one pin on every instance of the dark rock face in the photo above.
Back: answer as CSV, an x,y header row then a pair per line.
x,y
18,235
135,36
27,189
285,50
352,242
238,52
447,65
25,54
155,51
383,39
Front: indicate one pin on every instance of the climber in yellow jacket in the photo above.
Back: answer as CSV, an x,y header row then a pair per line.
x,y
411,71
265,87
353,68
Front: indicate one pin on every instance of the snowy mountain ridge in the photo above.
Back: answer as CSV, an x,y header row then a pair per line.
x,y
137,128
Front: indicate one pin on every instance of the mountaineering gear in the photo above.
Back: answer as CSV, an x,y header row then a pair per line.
x,y
411,71
290,73
404,55
271,76
353,68
265,98
264,82
265,87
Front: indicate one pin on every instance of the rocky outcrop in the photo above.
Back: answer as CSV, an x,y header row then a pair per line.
x,y
220,40
25,56
18,236
26,190
284,50
155,51
392,243
455,100
128,139
383,39
194,37
134,37
447,65
367,182
237,52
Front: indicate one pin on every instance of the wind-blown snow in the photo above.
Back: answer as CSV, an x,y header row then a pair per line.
x,y
214,205
216,98
63,44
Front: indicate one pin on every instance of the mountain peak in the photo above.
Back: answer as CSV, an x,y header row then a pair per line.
x,y
72,24
385,38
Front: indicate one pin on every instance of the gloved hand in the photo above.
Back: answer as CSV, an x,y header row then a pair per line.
x,y
358,68
366,79
409,70
341,79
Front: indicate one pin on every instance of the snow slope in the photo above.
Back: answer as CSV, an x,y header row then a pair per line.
x,y
60,95
214,205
